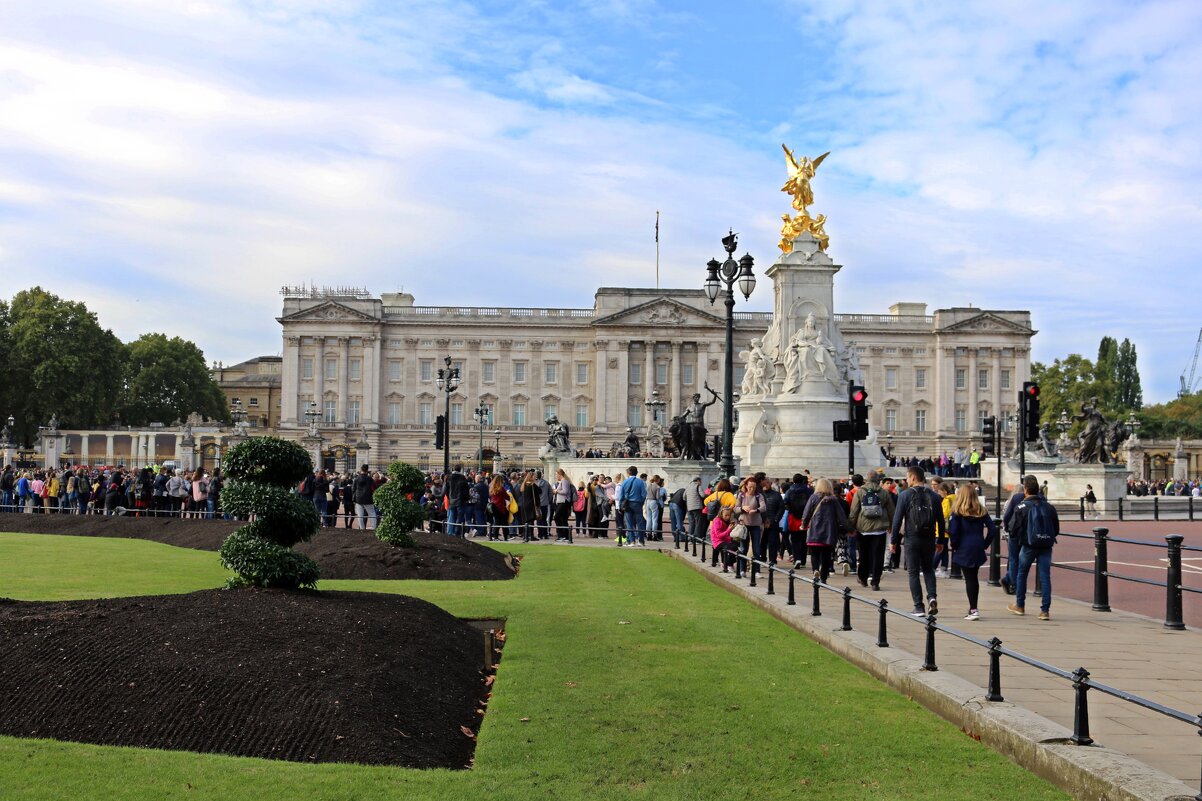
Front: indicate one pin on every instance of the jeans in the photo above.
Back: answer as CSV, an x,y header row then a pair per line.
x,y
6,498
211,503
1043,568
1013,548
364,510
770,540
696,523
754,540
920,558
563,530
677,515
456,517
872,557
636,526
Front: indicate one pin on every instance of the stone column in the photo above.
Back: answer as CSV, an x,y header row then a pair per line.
x,y
648,370
973,392
179,448
674,382
703,367
368,373
995,400
290,381
83,449
601,415
319,376
344,360
108,448
622,393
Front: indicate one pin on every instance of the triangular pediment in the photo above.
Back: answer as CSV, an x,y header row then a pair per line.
x,y
987,321
328,312
661,312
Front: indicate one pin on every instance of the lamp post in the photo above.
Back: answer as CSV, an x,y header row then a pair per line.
x,y
1063,424
1132,423
496,445
654,406
481,415
729,272
448,382
889,447
238,415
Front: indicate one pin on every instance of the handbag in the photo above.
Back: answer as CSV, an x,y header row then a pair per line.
x,y
512,505
739,532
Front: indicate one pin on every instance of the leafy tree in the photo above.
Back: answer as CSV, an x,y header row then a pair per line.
x,y
1181,417
1106,372
1129,393
57,360
1065,385
165,380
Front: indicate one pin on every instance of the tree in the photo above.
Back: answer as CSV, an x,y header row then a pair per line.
x,y
1181,417
165,380
59,362
1106,372
1129,393
1065,385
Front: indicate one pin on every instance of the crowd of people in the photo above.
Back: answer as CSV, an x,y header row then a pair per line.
x,y
1166,487
110,491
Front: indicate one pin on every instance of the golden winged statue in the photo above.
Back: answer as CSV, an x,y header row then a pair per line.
x,y
798,185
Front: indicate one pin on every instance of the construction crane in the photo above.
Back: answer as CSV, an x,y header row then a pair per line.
x,y
1188,385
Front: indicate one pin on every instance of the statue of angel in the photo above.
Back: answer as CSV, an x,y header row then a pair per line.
x,y
800,173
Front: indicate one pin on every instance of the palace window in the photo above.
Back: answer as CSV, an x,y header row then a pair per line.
x,y
425,370
581,415
306,368
394,370
981,415
519,372
457,413
1005,379
425,413
331,412
331,369
890,378
636,373
582,373
550,409
394,414
551,372
355,369
661,373
488,372
686,374
891,419
920,378
634,415
961,378
253,402
982,379
352,412
519,414
920,420
961,417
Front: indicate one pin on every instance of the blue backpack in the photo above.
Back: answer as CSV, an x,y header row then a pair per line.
x,y
1041,525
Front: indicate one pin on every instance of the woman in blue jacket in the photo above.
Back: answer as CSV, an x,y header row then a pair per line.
x,y
971,530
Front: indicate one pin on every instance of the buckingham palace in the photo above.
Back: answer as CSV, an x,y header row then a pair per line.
x,y
369,367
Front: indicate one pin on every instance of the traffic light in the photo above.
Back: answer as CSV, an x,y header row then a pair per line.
x,y
1030,401
842,429
440,432
858,401
989,437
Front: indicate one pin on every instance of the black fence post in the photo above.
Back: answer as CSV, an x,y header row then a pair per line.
x,y
703,551
928,660
1081,511
771,570
694,539
738,565
751,573
995,559
1190,503
882,628
1172,611
1081,708
1120,509
995,671
846,610
792,597
1101,571
815,608
1155,507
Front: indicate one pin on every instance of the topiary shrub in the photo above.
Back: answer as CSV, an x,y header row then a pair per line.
x,y
262,472
397,499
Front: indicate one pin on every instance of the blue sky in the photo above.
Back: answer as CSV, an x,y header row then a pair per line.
x,y
175,163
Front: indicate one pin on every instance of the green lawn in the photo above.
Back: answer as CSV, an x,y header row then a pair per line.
x,y
639,679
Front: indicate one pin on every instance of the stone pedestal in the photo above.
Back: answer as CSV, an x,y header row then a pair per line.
x,y
1066,480
50,448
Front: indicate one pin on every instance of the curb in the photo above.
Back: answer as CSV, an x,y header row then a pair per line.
x,y
1089,773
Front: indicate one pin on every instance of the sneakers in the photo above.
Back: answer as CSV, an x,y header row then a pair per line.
x,y
932,607
940,573
973,615
1044,616
798,565
919,612
1016,609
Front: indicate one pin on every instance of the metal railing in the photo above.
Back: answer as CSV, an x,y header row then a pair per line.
x,y
748,567
1137,507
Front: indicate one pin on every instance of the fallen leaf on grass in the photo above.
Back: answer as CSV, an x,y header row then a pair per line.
x,y
623,622
467,732
570,684
524,720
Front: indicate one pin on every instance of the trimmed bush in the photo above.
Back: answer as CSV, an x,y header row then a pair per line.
x,y
262,472
400,513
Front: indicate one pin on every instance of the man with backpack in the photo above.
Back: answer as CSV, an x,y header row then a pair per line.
x,y
1037,525
871,512
922,512
796,498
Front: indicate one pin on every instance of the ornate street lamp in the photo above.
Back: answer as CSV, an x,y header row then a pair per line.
x,y
238,415
448,382
481,415
496,447
729,272
311,415
1132,423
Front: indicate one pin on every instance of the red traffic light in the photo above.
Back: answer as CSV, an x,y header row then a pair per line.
x,y
859,395
1031,390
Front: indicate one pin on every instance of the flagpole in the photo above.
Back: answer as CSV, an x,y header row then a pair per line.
x,y
657,249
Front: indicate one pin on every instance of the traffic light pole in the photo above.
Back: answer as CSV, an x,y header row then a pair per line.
x,y
1022,436
851,440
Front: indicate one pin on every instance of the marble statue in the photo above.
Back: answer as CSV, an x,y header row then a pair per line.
x,y
757,378
810,356
849,364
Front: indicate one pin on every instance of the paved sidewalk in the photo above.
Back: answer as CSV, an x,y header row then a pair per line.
x,y
1123,650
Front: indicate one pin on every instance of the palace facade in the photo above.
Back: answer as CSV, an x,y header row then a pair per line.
x,y
370,367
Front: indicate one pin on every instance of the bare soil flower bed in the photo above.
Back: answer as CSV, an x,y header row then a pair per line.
x,y
340,553
292,675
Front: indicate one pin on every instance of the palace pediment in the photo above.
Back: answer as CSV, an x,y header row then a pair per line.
x,y
328,312
987,322
661,313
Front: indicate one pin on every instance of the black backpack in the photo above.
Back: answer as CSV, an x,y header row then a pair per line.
x,y
1041,526
870,504
796,500
920,513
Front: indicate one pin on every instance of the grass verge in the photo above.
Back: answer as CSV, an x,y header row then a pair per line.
x,y
625,676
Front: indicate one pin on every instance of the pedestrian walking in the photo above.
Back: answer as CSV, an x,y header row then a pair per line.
x,y
1040,526
971,531
920,511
